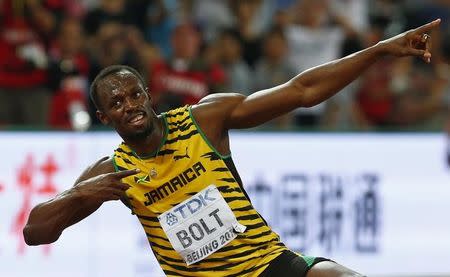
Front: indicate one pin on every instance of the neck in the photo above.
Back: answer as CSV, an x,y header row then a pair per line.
x,y
148,145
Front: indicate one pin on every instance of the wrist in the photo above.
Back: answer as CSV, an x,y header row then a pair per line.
x,y
380,48
77,194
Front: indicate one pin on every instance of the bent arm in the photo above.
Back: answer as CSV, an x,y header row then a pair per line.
x,y
48,220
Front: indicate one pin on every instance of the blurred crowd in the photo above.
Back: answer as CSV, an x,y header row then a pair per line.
x,y
50,51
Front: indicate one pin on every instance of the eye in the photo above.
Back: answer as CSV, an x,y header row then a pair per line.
x,y
117,104
138,94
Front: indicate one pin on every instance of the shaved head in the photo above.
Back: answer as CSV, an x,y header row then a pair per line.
x,y
111,70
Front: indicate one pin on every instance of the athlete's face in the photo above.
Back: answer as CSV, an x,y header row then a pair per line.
x,y
125,105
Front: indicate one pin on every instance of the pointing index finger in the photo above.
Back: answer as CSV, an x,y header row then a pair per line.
x,y
427,27
126,173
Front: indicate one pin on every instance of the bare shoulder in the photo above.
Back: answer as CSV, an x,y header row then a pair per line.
x,y
216,108
102,166
212,114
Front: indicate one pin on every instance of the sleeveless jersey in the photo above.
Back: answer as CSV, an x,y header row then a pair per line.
x,y
184,165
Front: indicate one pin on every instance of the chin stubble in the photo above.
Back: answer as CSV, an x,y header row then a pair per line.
x,y
142,134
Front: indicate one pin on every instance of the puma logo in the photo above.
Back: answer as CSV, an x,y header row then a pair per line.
x,y
179,157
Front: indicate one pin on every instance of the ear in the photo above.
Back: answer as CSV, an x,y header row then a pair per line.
x,y
102,117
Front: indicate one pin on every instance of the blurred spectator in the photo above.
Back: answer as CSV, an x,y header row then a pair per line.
x,y
213,16
343,112
216,15
420,104
23,67
375,97
69,69
141,53
315,37
137,10
284,4
354,11
406,92
109,11
89,4
109,47
389,14
41,46
262,14
42,18
49,13
116,43
281,19
186,77
352,15
273,69
237,71
369,100
161,22
246,12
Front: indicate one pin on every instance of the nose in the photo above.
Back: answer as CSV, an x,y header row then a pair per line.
x,y
130,104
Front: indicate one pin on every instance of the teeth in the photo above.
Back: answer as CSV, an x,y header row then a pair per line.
x,y
137,118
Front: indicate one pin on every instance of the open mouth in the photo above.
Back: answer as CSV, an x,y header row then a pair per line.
x,y
136,119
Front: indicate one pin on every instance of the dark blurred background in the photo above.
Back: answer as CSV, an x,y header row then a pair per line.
x,y
50,51
376,202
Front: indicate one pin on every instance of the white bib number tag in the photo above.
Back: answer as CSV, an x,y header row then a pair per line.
x,y
200,225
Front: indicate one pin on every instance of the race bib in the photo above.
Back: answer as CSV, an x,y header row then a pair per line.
x,y
200,225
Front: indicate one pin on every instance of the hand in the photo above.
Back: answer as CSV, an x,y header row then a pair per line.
x,y
415,42
104,187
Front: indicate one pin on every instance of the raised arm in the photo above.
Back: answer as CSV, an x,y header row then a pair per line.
x,y
315,85
97,184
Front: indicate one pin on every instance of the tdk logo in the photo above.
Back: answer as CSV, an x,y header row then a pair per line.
x,y
194,205
171,219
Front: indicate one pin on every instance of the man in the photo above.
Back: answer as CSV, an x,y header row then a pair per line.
x,y
186,77
24,98
175,172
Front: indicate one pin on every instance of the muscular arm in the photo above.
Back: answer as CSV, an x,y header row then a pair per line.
x,y
310,87
96,185
307,89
